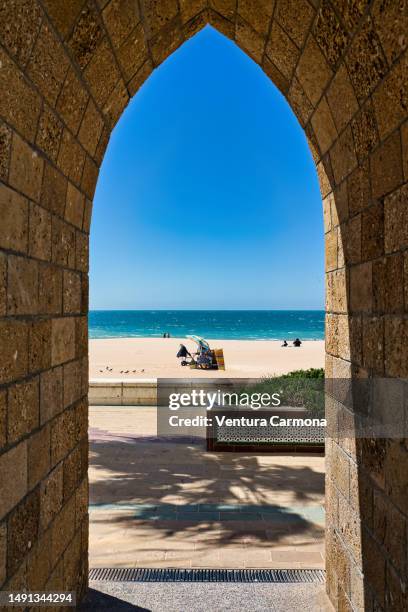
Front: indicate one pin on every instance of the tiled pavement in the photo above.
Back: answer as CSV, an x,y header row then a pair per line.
x,y
162,503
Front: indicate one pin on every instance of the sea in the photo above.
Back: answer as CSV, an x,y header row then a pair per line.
x,y
214,324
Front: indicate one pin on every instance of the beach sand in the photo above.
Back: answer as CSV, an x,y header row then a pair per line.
x,y
156,358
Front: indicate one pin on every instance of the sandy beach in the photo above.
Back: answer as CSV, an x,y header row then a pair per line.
x,y
131,358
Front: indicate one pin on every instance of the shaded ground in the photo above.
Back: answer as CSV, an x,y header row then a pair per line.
x,y
159,502
203,597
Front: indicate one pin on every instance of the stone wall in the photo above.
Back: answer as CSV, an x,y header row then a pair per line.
x,y
67,71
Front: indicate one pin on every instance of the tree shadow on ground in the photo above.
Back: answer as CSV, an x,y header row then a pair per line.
x,y
178,489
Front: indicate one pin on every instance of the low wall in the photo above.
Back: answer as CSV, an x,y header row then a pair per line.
x,y
119,392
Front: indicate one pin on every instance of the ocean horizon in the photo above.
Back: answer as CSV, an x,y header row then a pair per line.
x,y
214,324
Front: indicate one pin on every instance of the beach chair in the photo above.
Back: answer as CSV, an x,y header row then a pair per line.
x,y
219,357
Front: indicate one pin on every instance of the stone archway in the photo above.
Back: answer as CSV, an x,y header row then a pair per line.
x,y
67,71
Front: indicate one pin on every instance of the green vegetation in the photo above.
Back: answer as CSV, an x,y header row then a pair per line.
x,y
300,388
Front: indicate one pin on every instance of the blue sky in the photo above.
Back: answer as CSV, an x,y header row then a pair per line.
x,y
208,194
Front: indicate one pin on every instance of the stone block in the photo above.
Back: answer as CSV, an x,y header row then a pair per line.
x,y
51,496
330,34
91,128
373,344
300,103
396,220
331,249
133,52
86,36
358,188
81,336
116,103
82,251
3,418
38,563
3,284
350,530
63,435
374,571
341,98
336,291
23,409
49,134
282,51
62,530
395,485
73,563
72,292
222,24
5,150
63,243
39,233
63,340
120,17
388,284
102,73
50,289
352,240
390,20
167,40
390,529
312,71
72,472
74,208
72,101
404,140
275,75
361,288
19,103
51,394
63,14
13,476
157,14
364,128
343,156
72,382
48,64
386,166
249,40
54,189
23,529
323,126
391,99
22,294
372,232
39,345
191,8
81,502
19,26
88,185
26,169
226,8
13,350
3,552
71,157
134,85
39,456
365,60
396,337
257,13
14,220
296,19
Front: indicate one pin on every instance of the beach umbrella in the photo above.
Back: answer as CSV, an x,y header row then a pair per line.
x,y
200,341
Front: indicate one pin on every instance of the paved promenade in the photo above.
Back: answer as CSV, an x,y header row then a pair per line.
x,y
158,502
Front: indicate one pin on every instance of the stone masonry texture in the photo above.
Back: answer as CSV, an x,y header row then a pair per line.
x,y
67,71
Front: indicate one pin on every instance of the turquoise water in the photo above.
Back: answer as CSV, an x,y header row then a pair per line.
x,y
225,324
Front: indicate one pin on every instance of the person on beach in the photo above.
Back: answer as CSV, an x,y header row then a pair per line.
x,y
284,343
297,342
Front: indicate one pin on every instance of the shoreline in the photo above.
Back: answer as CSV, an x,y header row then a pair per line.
x,y
150,358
